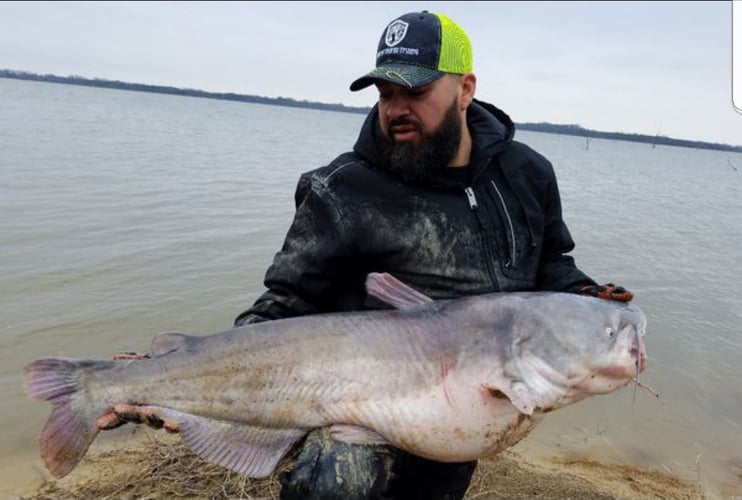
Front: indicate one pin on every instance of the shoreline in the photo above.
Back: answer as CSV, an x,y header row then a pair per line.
x,y
161,466
544,127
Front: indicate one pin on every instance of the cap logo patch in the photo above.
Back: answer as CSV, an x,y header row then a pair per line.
x,y
395,33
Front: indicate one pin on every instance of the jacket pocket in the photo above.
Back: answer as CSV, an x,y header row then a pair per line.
x,y
523,230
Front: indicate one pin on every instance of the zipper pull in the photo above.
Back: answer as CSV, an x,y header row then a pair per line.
x,y
472,199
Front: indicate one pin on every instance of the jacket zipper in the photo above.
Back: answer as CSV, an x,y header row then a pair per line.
x,y
488,252
472,199
512,260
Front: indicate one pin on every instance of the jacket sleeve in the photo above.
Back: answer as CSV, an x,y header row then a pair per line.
x,y
303,276
557,269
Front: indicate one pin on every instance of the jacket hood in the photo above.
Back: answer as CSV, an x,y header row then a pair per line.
x,y
490,127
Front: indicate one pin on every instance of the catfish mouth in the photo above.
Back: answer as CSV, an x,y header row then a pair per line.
x,y
637,354
623,366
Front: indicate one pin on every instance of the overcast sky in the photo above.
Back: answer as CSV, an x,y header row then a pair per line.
x,y
642,67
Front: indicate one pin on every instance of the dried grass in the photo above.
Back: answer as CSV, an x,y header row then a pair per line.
x,y
165,468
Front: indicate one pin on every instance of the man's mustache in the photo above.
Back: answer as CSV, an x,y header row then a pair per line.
x,y
401,122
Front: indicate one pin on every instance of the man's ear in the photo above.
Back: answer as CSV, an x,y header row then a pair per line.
x,y
468,86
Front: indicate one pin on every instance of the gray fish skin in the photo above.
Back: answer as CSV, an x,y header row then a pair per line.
x,y
448,380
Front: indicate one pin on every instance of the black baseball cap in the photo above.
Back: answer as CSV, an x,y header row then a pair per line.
x,y
417,49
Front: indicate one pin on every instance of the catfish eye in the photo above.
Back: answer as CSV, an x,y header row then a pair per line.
x,y
610,332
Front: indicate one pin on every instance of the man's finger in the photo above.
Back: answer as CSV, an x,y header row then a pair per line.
x,y
130,356
608,291
109,421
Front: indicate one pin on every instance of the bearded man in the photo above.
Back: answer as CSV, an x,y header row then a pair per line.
x,y
435,192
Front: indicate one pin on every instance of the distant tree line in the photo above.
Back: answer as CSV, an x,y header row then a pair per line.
x,y
655,140
160,89
548,128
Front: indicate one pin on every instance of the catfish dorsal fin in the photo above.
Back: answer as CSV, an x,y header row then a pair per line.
x,y
165,343
390,290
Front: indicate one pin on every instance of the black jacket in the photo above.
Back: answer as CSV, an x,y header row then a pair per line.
x,y
494,226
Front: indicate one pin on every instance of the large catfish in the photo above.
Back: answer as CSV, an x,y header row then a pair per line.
x,y
449,380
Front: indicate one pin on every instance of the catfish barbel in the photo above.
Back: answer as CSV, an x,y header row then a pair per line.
x,y
448,380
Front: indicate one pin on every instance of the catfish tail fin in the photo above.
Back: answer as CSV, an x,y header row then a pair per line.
x,y
71,427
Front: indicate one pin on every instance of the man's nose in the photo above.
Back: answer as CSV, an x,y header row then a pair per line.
x,y
398,107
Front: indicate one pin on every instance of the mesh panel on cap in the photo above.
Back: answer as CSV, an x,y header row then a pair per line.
x,y
456,54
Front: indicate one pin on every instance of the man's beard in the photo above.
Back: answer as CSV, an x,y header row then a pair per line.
x,y
433,153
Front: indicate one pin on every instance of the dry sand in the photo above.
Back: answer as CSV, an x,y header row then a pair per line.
x,y
162,467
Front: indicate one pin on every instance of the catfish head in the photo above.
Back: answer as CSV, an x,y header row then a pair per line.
x,y
567,347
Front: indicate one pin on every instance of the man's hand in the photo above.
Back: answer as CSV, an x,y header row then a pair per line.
x,y
122,414
609,291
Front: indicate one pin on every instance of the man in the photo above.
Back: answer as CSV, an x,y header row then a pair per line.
x,y
435,192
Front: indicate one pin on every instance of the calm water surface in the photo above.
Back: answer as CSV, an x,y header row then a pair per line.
x,y
126,214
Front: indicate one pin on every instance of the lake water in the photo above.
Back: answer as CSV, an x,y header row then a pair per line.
x,y
126,214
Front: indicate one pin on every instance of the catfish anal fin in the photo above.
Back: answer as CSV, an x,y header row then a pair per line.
x,y
249,450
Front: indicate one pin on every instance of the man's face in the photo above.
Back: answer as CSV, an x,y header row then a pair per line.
x,y
406,115
422,126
